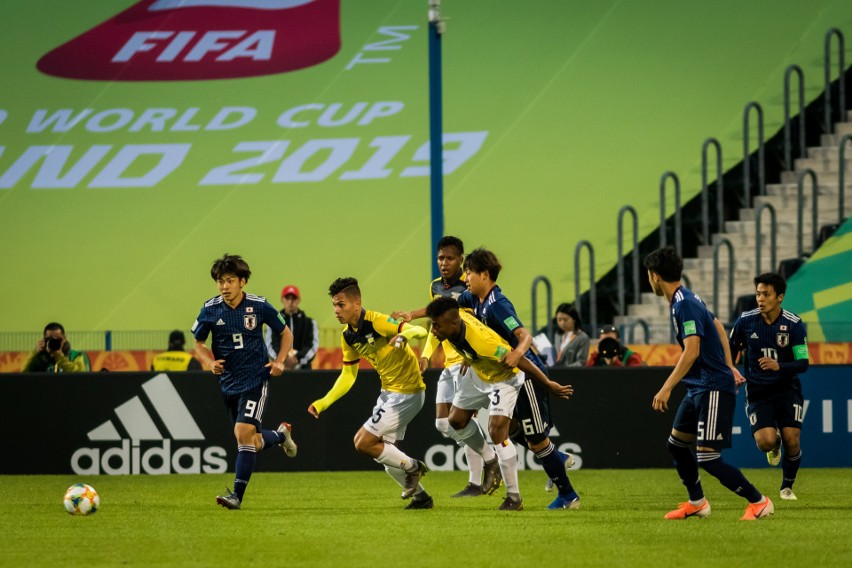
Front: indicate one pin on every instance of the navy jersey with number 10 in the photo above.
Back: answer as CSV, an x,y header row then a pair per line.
x,y
785,340
238,339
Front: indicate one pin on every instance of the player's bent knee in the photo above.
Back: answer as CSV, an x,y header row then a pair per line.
x,y
537,442
443,426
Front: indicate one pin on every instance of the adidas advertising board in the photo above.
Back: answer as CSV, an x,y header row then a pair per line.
x,y
149,423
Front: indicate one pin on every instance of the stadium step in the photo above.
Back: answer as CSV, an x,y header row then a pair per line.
x,y
783,196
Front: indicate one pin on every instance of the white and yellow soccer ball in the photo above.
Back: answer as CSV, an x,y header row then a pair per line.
x,y
82,499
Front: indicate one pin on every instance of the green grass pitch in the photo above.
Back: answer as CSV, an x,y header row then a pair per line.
x,y
356,519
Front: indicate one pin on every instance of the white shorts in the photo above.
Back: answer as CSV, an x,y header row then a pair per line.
x,y
392,413
498,398
446,387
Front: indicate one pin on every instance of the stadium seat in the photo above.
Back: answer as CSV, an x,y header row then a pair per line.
x,y
789,266
743,304
825,233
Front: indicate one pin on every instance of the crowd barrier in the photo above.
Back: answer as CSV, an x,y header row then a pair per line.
x,y
157,423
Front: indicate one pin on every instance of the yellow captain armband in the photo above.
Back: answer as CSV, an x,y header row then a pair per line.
x,y
341,386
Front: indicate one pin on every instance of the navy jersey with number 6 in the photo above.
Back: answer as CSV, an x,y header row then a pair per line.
x,y
785,340
498,313
691,317
238,339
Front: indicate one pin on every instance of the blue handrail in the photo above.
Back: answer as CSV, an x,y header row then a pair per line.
x,y
800,198
635,256
720,191
731,266
761,172
788,151
678,236
593,295
758,239
828,125
549,303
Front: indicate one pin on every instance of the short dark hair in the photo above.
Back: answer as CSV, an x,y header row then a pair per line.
x,y
441,305
771,279
570,311
666,262
53,326
348,286
230,264
449,241
483,260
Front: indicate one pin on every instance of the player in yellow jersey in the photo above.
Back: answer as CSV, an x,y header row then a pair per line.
x,y
456,376
383,341
485,351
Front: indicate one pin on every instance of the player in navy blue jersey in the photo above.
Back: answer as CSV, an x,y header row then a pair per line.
x,y
532,411
775,346
239,358
706,414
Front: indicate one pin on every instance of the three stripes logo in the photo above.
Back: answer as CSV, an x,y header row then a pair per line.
x,y
156,456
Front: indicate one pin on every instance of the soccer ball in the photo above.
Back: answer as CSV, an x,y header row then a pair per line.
x,y
81,499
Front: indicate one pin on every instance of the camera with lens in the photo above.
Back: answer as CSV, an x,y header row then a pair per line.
x,y
54,343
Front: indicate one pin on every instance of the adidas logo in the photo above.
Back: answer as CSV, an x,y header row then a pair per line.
x,y
719,438
139,425
220,322
754,336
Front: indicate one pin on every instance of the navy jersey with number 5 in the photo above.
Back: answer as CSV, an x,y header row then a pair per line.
x,y
691,317
238,339
785,340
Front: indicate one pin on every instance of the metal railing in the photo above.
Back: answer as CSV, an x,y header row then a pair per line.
x,y
593,294
800,214
761,169
635,256
788,151
828,125
731,266
841,177
720,192
549,303
677,213
758,239
631,331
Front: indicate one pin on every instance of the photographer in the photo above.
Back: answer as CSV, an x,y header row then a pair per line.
x,y
611,352
53,354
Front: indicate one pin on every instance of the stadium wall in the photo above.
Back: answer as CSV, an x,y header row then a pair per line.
x,y
148,423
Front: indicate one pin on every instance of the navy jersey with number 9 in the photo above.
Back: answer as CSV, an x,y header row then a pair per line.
x,y
238,339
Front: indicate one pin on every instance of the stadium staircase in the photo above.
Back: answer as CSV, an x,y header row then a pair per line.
x,y
742,234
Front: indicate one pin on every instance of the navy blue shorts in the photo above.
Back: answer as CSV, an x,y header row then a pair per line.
x,y
709,415
247,407
775,405
532,411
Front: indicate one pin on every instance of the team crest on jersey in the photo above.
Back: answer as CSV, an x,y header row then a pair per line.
x,y
370,340
250,321
782,339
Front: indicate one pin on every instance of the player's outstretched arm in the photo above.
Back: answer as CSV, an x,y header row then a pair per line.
x,y
562,391
341,386
726,348
402,315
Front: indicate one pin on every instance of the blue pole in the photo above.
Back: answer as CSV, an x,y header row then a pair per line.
x,y
436,158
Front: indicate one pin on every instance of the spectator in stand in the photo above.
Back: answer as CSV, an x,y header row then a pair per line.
x,y
569,341
611,352
175,358
53,354
305,332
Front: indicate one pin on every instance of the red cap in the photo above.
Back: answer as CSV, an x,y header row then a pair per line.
x,y
290,290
